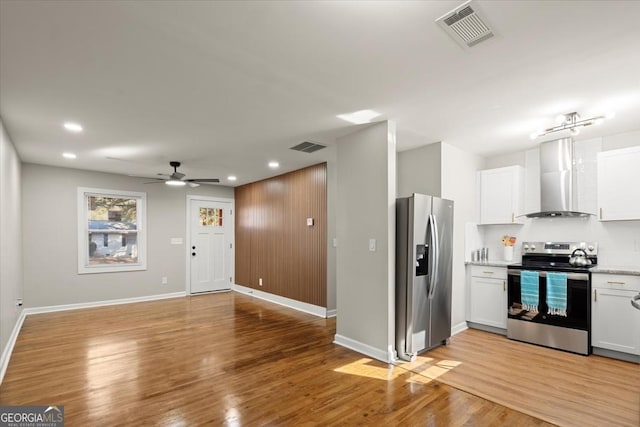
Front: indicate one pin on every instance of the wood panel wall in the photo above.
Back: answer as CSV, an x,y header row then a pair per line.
x,y
273,241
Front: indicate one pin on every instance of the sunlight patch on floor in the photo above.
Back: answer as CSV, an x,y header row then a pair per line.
x,y
422,370
364,368
428,367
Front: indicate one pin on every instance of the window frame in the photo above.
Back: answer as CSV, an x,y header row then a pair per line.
x,y
83,230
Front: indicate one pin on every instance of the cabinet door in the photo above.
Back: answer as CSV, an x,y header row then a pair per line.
x,y
618,189
500,195
615,324
488,302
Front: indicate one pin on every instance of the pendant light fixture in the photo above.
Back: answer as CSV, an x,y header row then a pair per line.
x,y
571,122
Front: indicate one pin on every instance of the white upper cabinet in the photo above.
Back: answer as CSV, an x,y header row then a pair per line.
x,y
619,184
501,195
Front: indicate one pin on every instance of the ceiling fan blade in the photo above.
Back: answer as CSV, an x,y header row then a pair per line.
x,y
157,181
203,180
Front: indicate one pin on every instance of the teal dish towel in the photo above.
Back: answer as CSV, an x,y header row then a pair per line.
x,y
557,293
529,290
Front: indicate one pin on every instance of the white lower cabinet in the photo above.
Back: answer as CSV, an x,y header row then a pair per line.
x,y
488,296
615,323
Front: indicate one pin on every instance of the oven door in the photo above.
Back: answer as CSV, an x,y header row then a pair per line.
x,y
578,301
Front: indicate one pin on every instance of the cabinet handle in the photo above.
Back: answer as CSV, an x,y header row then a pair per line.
x,y
595,295
504,285
513,217
600,213
488,272
616,283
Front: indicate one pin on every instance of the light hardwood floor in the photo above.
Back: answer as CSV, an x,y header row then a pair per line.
x,y
229,359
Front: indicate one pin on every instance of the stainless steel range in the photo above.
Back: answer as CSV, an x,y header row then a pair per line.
x,y
548,295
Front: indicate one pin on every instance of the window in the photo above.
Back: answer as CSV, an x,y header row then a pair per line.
x,y
210,217
111,231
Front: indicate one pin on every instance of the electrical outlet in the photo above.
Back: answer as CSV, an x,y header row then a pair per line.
x,y
165,281
19,302
260,281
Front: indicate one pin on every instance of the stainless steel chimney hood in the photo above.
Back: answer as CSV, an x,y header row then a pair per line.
x,y
558,195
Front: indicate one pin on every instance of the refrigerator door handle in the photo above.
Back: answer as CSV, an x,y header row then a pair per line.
x,y
433,253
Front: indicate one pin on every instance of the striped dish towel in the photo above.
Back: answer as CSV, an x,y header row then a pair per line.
x,y
529,290
557,293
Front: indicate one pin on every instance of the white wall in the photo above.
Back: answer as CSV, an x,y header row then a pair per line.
x,y
50,237
420,171
459,184
10,238
366,210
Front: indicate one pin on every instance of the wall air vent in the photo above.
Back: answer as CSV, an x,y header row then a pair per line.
x,y
308,147
465,25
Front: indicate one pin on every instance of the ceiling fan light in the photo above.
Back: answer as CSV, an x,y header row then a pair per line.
x,y
175,183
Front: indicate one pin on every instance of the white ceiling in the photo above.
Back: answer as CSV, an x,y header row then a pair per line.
x,y
225,87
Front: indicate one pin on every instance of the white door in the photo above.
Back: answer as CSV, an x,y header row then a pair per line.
x,y
210,246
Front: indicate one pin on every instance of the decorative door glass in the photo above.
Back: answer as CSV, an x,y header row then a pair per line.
x,y
211,217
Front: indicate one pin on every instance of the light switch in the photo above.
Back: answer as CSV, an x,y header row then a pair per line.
x,y
310,222
335,242
372,245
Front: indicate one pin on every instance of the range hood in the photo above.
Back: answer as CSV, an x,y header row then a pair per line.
x,y
558,195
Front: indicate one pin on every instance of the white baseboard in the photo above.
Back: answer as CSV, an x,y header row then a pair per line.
x,y
366,349
462,326
332,313
6,354
92,304
287,302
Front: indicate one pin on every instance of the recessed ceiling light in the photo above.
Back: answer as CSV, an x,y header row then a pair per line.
x,y
69,155
72,127
274,165
359,117
231,178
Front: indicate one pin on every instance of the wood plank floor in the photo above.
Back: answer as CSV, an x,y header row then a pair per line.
x,y
229,359
559,387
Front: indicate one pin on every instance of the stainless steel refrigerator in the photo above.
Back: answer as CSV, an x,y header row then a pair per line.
x,y
424,243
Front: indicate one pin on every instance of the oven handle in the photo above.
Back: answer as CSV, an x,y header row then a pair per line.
x,y
634,303
570,276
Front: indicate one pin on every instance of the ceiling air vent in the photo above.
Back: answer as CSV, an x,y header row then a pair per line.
x,y
465,25
308,147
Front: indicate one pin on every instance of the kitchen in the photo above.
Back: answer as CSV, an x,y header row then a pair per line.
x,y
613,245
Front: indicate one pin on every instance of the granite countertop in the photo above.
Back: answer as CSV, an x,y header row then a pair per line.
x,y
490,263
617,269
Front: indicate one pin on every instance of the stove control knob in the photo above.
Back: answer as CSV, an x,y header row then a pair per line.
x,y
591,248
526,247
533,247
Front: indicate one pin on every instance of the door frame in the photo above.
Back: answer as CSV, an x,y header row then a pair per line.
x,y
187,242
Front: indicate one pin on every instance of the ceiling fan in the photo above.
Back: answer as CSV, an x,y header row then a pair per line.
x,y
177,179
